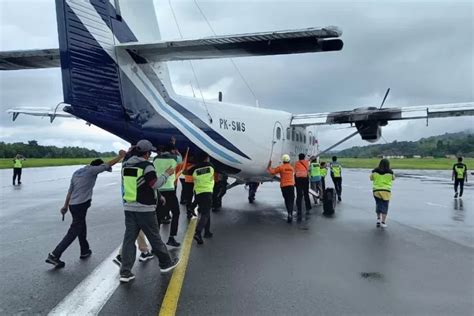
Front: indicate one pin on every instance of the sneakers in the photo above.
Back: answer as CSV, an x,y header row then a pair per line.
x,y
118,260
339,199
172,265
198,239
145,256
378,222
86,254
173,243
456,195
52,259
383,225
208,235
127,277
289,219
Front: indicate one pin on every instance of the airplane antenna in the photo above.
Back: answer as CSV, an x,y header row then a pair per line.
x,y
190,62
231,59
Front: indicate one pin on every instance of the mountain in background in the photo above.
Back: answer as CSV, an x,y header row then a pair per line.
x,y
449,144
33,150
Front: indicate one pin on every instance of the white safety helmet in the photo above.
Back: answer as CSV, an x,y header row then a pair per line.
x,y
285,158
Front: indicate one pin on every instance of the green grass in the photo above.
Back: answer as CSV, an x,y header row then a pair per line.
x,y
408,163
47,162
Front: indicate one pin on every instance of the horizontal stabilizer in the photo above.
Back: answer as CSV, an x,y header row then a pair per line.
x,y
252,44
29,59
52,113
386,114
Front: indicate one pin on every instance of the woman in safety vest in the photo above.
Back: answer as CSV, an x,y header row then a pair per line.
x,y
382,178
287,183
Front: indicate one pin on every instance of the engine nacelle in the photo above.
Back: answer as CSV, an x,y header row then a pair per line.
x,y
369,131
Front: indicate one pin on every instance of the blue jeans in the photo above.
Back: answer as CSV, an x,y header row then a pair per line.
x,y
381,206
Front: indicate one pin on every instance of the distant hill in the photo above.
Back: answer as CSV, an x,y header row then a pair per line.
x,y
33,150
448,144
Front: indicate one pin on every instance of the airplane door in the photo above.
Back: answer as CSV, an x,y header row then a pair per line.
x,y
277,143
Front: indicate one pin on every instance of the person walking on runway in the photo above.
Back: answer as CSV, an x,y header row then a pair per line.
x,y
17,168
302,184
336,175
287,183
459,177
78,200
382,178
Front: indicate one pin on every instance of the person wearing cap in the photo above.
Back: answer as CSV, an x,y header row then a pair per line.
x,y
169,157
302,184
203,178
140,185
287,183
78,200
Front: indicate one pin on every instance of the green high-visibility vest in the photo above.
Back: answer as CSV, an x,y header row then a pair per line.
x,y
324,172
460,170
315,170
336,171
162,163
382,182
18,163
133,188
203,180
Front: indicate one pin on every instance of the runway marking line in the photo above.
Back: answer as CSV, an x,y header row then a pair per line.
x,y
170,301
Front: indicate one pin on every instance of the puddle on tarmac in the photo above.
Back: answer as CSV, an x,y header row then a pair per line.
x,y
371,275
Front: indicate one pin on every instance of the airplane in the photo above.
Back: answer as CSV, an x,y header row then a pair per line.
x,y
115,76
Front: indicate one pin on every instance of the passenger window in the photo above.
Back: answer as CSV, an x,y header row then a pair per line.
x,y
305,139
288,136
278,133
297,137
293,135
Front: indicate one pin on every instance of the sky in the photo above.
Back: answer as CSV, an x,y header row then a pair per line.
x,y
422,50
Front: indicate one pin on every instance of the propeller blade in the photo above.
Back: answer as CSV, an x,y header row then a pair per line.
x,y
384,98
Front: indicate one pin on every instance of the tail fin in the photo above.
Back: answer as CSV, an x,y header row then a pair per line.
x,y
88,32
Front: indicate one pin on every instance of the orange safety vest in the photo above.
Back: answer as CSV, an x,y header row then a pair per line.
x,y
287,174
301,168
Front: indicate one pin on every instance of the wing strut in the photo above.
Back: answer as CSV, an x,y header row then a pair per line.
x,y
338,143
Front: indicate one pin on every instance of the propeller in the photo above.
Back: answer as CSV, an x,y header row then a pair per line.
x,y
384,98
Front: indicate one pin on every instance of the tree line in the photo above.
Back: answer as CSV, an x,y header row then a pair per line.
x,y
449,144
33,150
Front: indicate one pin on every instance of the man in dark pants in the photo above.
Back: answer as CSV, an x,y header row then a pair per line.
x,y
287,183
336,175
253,186
203,177
168,158
17,167
78,200
302,184
459,176
140,196
220,189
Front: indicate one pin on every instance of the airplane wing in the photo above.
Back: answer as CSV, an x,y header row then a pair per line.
x,y
252,44
372,114
52,113
29,59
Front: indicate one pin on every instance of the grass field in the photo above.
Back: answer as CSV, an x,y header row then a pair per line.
x,y
47,162
408,163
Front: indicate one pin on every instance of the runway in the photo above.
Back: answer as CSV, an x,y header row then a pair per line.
x,y
423,263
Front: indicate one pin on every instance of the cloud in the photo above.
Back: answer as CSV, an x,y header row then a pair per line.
x,y
422,50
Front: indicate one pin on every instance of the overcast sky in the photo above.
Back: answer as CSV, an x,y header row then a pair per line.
x,y
422,50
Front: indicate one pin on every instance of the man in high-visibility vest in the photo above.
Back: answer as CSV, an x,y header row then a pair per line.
x,y
188,188
302,184
315,179
324,173
17,167
168,158
287,183
336,175
140,185
203,178
459,176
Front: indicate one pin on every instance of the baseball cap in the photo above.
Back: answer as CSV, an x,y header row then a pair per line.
x,y
145,146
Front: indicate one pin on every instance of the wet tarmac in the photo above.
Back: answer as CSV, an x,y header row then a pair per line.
x,y
423,263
